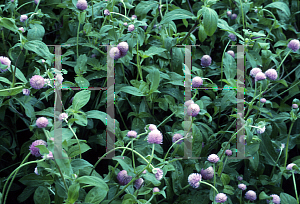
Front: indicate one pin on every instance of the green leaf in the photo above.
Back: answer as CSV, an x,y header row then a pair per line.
x,y
153,50
11,91
3,79
36,32
81,67
177,176
254,58
264,196
41,196
287,199
25,194
230,68
124,161
78,164
81,99
154,78
36,180
43,150
210,20
225,179
131,90
281,6
82,82
129,199
95,195
74,150
95,114
201,33
144,7
19,74
94,181
39,48
185,23
267,149
8,23
175,15
73,192
197,141
224,25
228,190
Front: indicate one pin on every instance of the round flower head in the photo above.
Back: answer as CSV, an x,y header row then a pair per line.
x,y
133,17
106,12
43,61
114,53
23,18
250,195
231,35
239,178
260,76
37,82
242,140
193,110
263,100
194,180
36,171
228,152
242,186
125,24
5,61
276,199
138,183
123,178
130,28
123,47
152,127
155,137
290,166
271,74
34,150
294,45
82,4
145,171
295,106
12,0
132,134
197,82
22,29
159,174
93,55
59,78
159,27
228,13
233,16
155,189
221,198
62,116
188,103
26,92
254,71
231,53
255,10
206,61
145,27
213,158
49,156
177,137
261,130
42,122
36,1
207,173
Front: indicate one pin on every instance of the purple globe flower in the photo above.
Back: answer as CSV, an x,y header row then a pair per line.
x,y
228,152
207,173
221,198
231,53
82,4
155,137
23,18
152,127
34,150
294,45
12,0
123,178
276,199
263,100
242,186
37,82
239,178
295,106
260,76
159,174
206,61
130,28
213,158
26,92
254,71
133,17
22,29
188,103
62,116
36,1
290,166
261,130
114,53
48,156
36,171
177,137
193,110
5,61
228,13
231,35
250,195
255,10
125,24
145,171
155,189
138,183
194,180
271,74
59,78
106,12
42,122
132,134
233,16
123,47
197,82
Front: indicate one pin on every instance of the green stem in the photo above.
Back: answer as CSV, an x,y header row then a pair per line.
x,y
287,144
150,199
132,155
138,60
222,62
4,45
214,178
174,152
196,92
210,186
75,137
295,187
23,5
224,165
167,118
276,163
171,148
78,35
14,72
283,61
188,34
242,14
121,15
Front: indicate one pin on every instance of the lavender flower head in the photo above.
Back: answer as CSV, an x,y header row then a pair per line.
x,y
228,152
207,173
206,61
155,137
36,171
133,17
152,127
82,4
26,92
260,76
261,130
231,35
37,82
255,71
228,13
48,156
123,47
155,189
62,116
106,12
213,158
197,82
250,195
295,106
36,1
123,178
125,24
145,171
177,137
290,166
42,122
233,16
271,74
242,186
221,198
193,110
23,18
194,180
132,134
275,200
21,29
188,103
231,53
5,61
34,150
138,183
263,100
255,10
114,53
131,28
159,173
294,45
239,178
59,78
